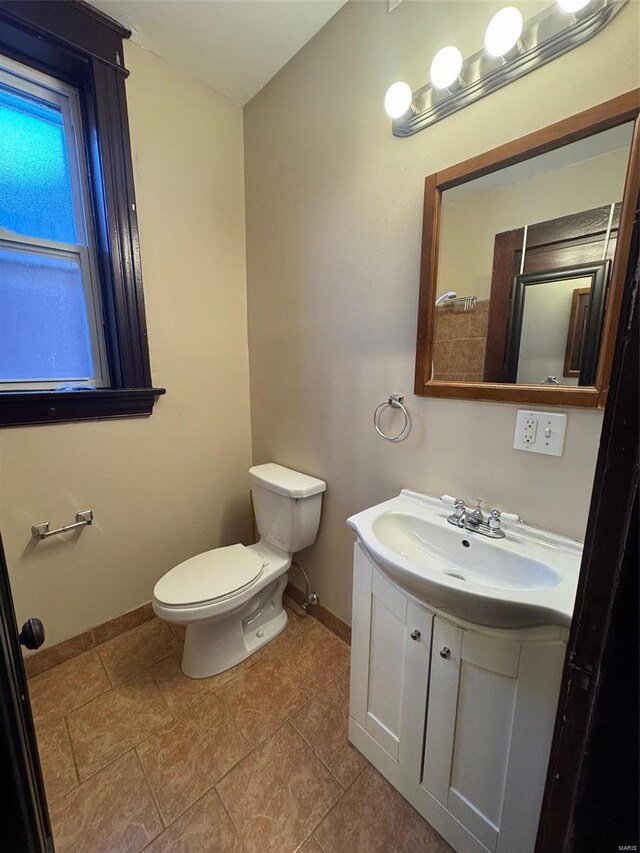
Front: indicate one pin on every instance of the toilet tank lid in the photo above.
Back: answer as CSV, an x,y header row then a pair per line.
x,y
285,481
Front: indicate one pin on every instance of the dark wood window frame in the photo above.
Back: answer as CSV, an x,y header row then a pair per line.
x,y
78,44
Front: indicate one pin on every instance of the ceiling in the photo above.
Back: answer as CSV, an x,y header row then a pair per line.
x,y
233,46
607,141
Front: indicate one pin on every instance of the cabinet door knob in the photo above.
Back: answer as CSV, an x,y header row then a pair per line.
x,y
415,635
445,653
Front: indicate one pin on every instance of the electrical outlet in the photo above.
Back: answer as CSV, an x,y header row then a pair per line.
x,y
540,432
530,430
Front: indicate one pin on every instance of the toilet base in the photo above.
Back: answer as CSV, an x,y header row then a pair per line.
x,y
214,645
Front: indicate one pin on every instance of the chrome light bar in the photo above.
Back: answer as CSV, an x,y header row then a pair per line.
x,y
544,37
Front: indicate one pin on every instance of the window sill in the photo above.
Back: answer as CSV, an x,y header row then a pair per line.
x,y
28,408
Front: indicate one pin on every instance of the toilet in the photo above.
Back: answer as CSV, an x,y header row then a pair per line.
x,y
230,599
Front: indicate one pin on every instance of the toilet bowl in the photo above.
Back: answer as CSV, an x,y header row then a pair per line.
x,y
230,598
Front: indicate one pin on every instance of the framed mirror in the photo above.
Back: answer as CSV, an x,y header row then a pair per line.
x,y
554,326
524,257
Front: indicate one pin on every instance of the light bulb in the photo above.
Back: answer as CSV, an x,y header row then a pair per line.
x,y
398,99
446,67
572,6
503,31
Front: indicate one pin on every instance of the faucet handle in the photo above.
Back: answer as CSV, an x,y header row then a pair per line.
x,y
459,507
497,516
448,500
457,503
511,517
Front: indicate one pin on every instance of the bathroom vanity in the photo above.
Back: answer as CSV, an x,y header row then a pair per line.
x,y
458,715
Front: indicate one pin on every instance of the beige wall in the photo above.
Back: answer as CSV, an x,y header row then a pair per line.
x,y
175,484
333,234
544,331
470,224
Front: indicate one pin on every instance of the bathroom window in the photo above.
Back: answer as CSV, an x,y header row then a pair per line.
x,y
51,320
73,337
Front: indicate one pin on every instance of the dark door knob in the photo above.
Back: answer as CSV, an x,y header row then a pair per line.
x,y
32,634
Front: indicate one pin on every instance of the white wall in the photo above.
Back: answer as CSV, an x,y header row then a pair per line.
x,y
334,219
170,486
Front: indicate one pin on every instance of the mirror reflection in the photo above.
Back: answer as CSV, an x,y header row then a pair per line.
x,y
524,266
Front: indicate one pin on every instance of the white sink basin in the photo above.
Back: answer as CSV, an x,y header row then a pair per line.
x,y
529,578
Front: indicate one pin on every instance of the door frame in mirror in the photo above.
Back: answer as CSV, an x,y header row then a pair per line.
x,y
621,110
597,275
549,245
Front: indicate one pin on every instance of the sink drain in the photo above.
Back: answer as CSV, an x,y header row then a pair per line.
x,y
457,575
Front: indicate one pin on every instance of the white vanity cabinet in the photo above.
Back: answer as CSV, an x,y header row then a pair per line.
x,y
459,718
389,667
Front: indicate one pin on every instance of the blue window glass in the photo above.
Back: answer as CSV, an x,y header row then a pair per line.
x,y
44,333
35,184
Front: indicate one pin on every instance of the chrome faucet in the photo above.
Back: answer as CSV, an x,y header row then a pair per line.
x,y
475,520
476,517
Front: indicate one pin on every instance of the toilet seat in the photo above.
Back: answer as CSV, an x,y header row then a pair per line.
x,y
209,576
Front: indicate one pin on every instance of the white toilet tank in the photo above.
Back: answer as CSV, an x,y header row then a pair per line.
x,y
287,506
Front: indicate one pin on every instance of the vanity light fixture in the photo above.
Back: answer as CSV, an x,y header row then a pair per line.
x,y
398,99
572,7
503,32
513,47
446,68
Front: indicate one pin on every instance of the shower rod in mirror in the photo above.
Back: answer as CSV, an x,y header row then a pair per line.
x,y
513,47
459,304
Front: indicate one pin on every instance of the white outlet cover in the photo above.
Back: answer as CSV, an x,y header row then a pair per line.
x,y
540,432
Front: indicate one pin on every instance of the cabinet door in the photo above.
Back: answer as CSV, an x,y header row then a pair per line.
x,y
489,727
390,649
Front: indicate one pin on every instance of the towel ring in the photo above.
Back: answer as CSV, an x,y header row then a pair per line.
x,y
395,402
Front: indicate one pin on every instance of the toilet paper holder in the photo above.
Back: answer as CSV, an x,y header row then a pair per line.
x,y
43,530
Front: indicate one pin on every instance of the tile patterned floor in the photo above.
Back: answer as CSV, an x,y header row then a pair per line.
x,y
136,756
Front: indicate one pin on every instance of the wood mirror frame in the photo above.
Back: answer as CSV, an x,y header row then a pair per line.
x,y
620,110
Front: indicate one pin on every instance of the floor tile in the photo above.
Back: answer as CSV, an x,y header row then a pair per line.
x,y
178,629
276,649
56,760
51,656
115,722
263,698
323,723
112,811
65,687
310,846
316,655
124,622
188,756
180,691
136,650
372,817
297,621
323,617
204,828
278,794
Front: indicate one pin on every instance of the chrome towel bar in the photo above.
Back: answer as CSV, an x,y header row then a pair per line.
x,y
43,530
